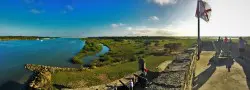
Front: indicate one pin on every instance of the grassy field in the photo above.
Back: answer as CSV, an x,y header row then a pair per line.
x,y
122,53
104,74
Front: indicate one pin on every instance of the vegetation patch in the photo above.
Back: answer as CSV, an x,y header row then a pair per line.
x,y
105,74
122,59
91,47
22,37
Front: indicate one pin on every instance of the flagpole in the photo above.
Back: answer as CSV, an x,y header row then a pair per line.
x,y
198,39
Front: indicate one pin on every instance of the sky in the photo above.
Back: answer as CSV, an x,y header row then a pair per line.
x,y
84,18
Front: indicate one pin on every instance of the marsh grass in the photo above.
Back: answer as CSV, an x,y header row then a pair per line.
x,y
109,73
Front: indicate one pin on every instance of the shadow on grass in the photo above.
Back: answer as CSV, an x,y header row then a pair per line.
x,y
158,53
59,86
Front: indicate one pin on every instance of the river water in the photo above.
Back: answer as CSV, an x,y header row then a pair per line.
x,y
54,52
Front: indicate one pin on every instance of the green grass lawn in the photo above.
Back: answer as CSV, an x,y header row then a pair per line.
x,y
104,74
121,50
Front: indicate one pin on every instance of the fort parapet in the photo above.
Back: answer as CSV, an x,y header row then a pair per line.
x,y
179,73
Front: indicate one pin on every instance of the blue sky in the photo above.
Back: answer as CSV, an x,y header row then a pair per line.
x,y
80,18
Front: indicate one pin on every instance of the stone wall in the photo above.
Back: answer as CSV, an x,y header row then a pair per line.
x,y
179,74
41,80
39,68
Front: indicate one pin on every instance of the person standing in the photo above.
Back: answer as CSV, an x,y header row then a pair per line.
x,y
131,84
142,65
219,43
230,44
227,46
242,46
225,40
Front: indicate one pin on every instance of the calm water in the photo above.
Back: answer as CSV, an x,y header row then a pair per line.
x,y
55,52
88,59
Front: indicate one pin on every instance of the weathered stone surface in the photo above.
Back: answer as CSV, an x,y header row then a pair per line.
x,y
159,87
40,68
177,74
190,50
170,79
177,66
42,80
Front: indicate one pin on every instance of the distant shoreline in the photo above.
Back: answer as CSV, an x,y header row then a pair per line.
x,y
6,38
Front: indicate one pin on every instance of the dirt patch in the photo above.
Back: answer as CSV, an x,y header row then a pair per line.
x,y
163,65
104,78
77,84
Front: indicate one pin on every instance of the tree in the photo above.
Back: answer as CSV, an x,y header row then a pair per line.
x,y
106,58
147,43
157,43
134,58
172,47
167,48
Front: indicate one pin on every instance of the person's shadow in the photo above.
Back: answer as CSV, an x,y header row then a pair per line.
x,y
228,62
214,62
246,68
202,78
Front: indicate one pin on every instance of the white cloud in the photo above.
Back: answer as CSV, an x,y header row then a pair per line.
x,y
117,25
153,18
164,2
163,32
129,28
35,11
146,31
228,18
69,7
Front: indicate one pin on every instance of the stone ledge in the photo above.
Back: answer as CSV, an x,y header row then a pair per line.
x,y
178,73
39,68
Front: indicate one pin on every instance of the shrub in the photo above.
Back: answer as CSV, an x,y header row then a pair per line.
x,y
134,58
102,55
92,67
77,60
141,52
107,58
172,46
147,43
94,62
157,43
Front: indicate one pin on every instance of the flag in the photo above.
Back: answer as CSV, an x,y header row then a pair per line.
x,y
205,11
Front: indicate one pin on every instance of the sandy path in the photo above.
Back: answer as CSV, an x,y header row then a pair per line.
x,y
215,75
